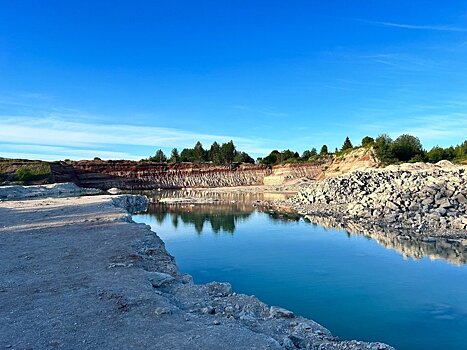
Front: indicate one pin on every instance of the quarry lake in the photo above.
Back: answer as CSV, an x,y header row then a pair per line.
x,y
352,284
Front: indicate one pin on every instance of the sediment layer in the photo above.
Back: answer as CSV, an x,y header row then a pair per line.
x,y
130,175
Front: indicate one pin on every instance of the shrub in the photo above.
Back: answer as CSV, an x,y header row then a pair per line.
x,y
417,158
383,149
368,141
32,172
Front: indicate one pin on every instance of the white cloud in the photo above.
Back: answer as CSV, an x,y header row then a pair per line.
x,y
92,139
55,152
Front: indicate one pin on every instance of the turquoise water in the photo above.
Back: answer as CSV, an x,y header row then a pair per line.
x,y
351,284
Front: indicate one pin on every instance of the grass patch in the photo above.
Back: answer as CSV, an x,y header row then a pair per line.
x,y
32,172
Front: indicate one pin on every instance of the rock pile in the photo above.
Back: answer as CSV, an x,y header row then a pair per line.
x,y
428,199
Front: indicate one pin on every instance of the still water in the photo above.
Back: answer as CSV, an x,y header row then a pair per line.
x,y
351,284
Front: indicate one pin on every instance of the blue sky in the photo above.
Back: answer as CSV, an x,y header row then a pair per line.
x,y
119,79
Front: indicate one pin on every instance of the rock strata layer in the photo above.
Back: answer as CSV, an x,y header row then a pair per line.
x,y
130,175
430,200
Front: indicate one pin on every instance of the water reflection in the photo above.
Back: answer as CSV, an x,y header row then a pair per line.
x,y
222,217
351,285
451,250
215,195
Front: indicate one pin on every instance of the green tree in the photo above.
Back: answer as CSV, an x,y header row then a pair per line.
x,y
406,146
463,147
159,157
324,150
174,156
435,154
347,144
368,141
243,157
215,153
287,154
460,151
383,149
306,155
187,155
198,153
228,152
272,158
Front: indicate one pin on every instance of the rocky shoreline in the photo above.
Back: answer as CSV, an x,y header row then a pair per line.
x,y
421,200
77,273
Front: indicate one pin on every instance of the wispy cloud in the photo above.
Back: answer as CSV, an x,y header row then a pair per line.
x,y
87,139
443,28
264,111
55,152
402,61
438,126
424,121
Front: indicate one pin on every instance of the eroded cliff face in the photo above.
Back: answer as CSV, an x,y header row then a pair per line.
x,y
357,159
149,175
132,175
283,173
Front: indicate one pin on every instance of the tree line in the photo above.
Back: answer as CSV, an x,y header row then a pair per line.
x,y
408,148
218,154
405,148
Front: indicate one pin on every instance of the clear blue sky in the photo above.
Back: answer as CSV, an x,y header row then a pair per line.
x,y
119,79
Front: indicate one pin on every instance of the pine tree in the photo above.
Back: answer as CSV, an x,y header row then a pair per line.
x,y
159,157
228,152
174,156
347,144
198,153
215,153
324,150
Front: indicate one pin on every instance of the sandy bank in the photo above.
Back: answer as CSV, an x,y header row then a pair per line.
x,y
76,273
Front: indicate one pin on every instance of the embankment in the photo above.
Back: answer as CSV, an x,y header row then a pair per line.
x,y
77,273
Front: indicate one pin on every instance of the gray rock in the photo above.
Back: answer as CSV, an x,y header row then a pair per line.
x,y
158,279
461,198
444,203
278,312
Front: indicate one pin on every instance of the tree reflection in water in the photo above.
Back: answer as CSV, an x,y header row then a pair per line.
x,y
222,217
